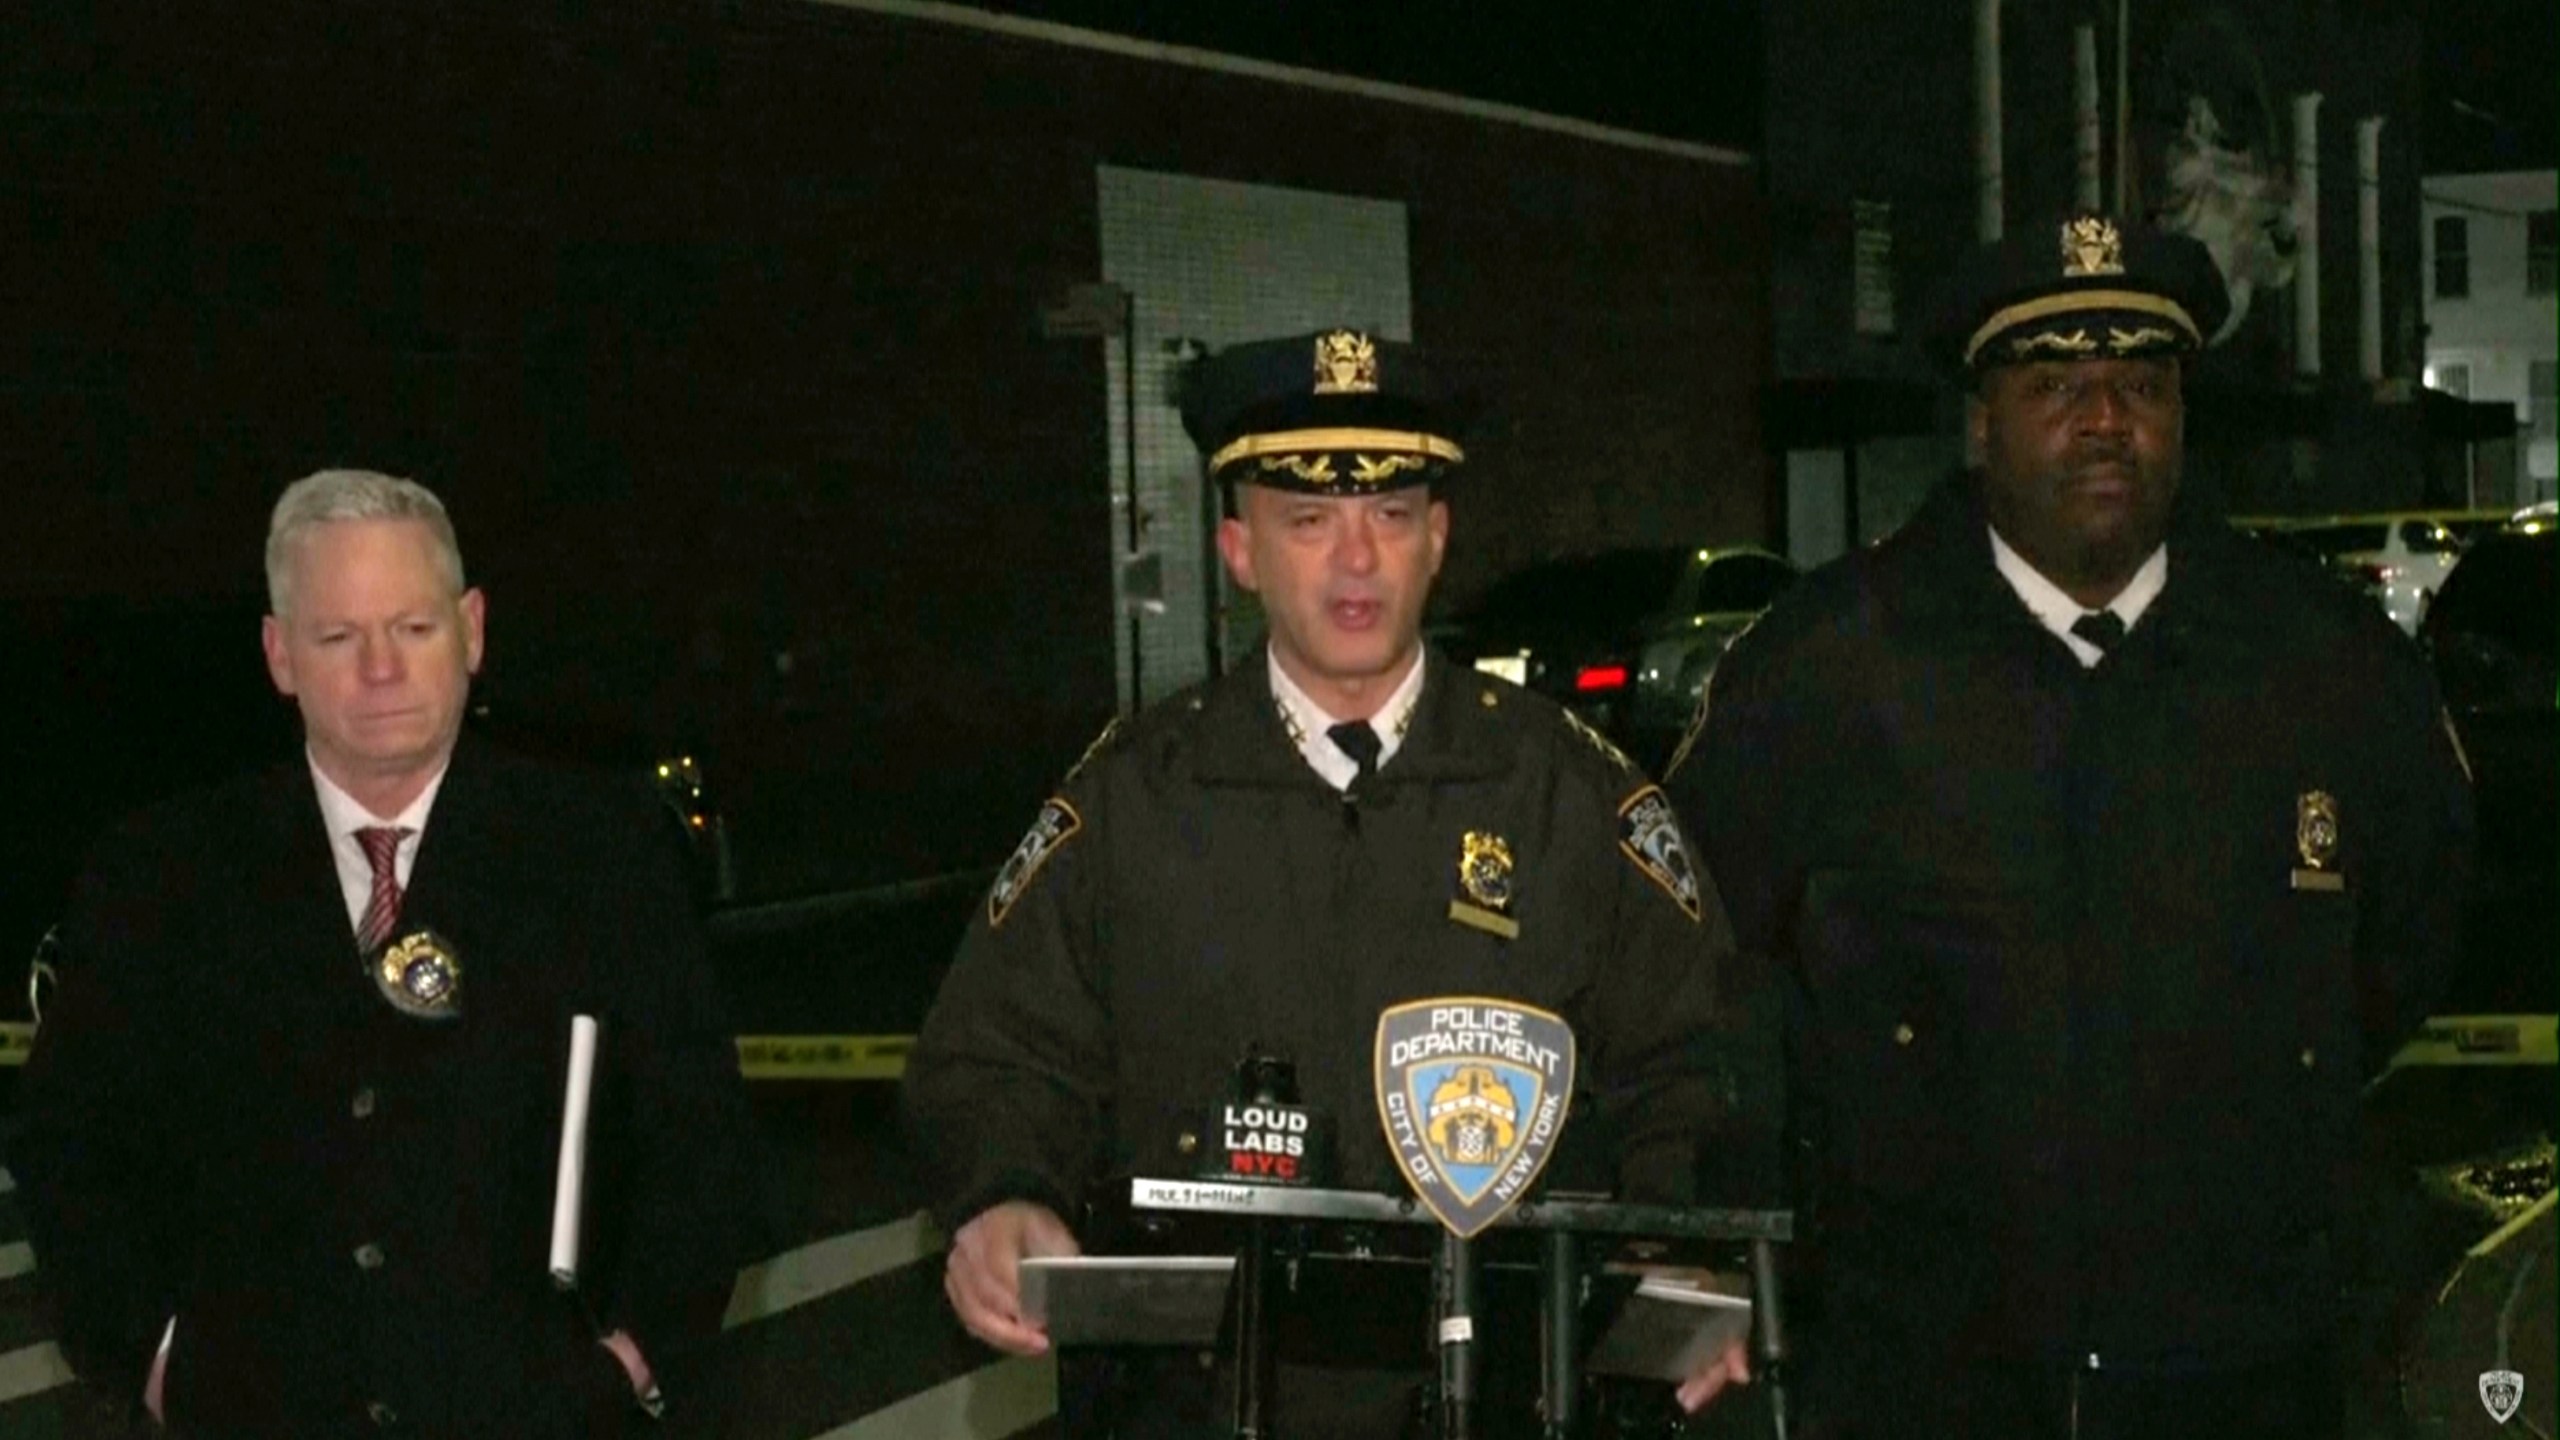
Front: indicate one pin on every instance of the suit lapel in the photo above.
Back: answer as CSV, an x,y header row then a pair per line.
x,y
464,862
297,927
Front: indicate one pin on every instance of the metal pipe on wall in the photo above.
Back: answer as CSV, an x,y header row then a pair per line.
x,y
2369,244
2084,106
2306,233
2124,107
1986,119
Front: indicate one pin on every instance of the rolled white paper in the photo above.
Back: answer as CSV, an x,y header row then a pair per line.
x,y
572,1182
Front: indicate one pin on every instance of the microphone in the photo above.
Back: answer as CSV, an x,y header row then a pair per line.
x,y
1260,1134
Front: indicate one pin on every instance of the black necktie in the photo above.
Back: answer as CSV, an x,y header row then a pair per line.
x,y
2103,629
1359,740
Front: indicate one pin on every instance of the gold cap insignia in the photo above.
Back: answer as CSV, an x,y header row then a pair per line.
x,y
421,976
2091,246
1346,363
2315,828
1484,870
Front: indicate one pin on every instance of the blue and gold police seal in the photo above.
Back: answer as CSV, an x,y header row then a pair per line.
x,y
421,975
1473,1094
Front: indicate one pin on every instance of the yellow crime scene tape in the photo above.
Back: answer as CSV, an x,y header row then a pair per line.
x,y
2467,1040
823,1057
760,1057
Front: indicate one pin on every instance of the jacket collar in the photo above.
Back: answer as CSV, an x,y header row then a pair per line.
x,y
1958,586
1238,737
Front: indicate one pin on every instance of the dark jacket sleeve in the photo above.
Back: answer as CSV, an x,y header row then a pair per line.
x,y
1730,784
2409,924
1743,784
91,1158
695,1202
1659,1055
1006,1088
1650,1024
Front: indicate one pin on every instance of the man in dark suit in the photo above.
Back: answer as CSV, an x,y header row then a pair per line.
x,y
290,1127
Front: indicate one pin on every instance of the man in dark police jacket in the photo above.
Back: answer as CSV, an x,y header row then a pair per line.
x,y
2103,855
1343,823
291,1124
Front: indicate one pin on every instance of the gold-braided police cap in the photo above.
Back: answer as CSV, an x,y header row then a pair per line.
x,y
1336,412
2084,287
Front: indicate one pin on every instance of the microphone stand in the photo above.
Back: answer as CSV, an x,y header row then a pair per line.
x,y
1560,1334
1773,1332
1255,1368
1453,1294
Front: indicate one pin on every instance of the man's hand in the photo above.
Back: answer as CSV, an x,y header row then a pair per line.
x,y
1733,1367
634,1364
983,1277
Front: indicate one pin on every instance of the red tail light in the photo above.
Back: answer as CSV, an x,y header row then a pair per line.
x,y
1600,677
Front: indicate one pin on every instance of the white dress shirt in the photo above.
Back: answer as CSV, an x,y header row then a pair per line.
x,y
344,816
1307,722
2058,612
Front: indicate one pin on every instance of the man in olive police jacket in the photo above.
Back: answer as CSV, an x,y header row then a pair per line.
x,y
2103,856
291,1123
1274,857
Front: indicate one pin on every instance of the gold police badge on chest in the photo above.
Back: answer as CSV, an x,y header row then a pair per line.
x,y
421,975
1485,880
2315,837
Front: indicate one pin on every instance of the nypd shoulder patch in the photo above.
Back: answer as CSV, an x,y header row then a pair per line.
x,y
1649,833
1050,829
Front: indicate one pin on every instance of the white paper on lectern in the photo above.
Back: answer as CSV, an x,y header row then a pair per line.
x,y
1670,1329
568,1190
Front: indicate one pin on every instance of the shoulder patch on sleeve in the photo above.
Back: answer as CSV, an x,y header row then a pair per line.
x,y
1649,834
1056,823
1597,741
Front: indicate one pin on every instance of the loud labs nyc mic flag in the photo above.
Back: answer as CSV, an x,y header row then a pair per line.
x,y
1473,1094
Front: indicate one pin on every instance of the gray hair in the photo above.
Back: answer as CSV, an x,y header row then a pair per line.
x,y
334,495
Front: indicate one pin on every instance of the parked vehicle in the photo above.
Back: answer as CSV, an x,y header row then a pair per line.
x,y
2493,635
1625,638
2401,558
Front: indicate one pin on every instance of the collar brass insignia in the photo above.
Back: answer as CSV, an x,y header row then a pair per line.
x,y
1346,363
2315,829
2091,246
1484,870
421,976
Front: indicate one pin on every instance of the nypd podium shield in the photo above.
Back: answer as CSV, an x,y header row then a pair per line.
x,y
1473,1094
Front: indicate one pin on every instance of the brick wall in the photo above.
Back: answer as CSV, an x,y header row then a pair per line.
x,y
717,325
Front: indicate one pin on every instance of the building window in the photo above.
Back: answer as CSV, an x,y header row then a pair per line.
x,y
2453,379
2453,257
2545,399
2542,252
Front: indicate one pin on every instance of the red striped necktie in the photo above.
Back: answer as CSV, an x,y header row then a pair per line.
x,y
381,912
